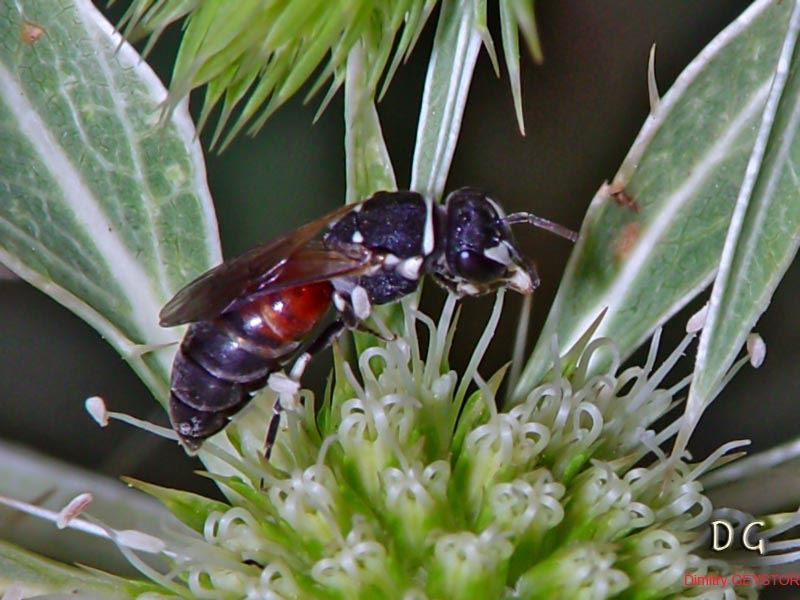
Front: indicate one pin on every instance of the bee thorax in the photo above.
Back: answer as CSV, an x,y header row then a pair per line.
x,y
361,304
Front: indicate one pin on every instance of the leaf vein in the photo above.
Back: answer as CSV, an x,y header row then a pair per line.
x,y
88,212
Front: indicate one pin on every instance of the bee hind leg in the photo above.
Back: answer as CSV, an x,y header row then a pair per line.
x,y
287,386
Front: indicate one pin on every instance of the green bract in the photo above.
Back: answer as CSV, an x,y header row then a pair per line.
x,y
256,54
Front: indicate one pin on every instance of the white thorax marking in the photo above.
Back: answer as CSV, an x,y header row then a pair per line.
x,y
409,268
339,302
427,238
466,288
361,304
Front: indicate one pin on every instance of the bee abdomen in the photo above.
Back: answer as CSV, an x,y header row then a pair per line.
x,y
217,348
213,377
201,390
194,426
222,362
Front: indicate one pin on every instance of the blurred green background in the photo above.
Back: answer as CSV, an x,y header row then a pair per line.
x,y
583,108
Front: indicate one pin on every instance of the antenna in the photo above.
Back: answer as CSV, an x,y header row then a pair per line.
x,y
531,219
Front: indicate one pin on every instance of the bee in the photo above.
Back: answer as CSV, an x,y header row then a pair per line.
x,y
249,317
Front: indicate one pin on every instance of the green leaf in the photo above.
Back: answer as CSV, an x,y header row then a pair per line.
x,y
455,50
684,171
191,509
51,484
102,206
510,33
33,575
151,16
516,15
277,47
369,168
415,17
762,239
741,483
526,21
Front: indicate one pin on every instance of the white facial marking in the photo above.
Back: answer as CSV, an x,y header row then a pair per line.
x,y
427,238
339,302
467,289
521,282
390,260
498,254
361,305
357,238
410,267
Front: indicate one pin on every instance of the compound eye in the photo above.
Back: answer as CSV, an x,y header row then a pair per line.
x,y
478,268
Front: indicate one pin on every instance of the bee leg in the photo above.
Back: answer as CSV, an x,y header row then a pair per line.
x,y
353,323
289,386
322,341
363,328
272,429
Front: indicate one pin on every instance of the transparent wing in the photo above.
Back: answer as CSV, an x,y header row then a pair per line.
x,y
214,291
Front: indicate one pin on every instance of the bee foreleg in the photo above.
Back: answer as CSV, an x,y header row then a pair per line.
x,y
363,328
353,323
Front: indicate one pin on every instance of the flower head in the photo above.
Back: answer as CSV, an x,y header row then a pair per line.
x,y
398,485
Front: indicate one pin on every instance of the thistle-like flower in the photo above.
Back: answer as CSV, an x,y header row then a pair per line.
x,y
399,485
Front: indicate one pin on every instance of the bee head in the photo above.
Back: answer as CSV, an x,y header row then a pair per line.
x,y
479,253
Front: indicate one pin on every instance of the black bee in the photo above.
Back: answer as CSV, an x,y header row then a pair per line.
x,y
250,315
